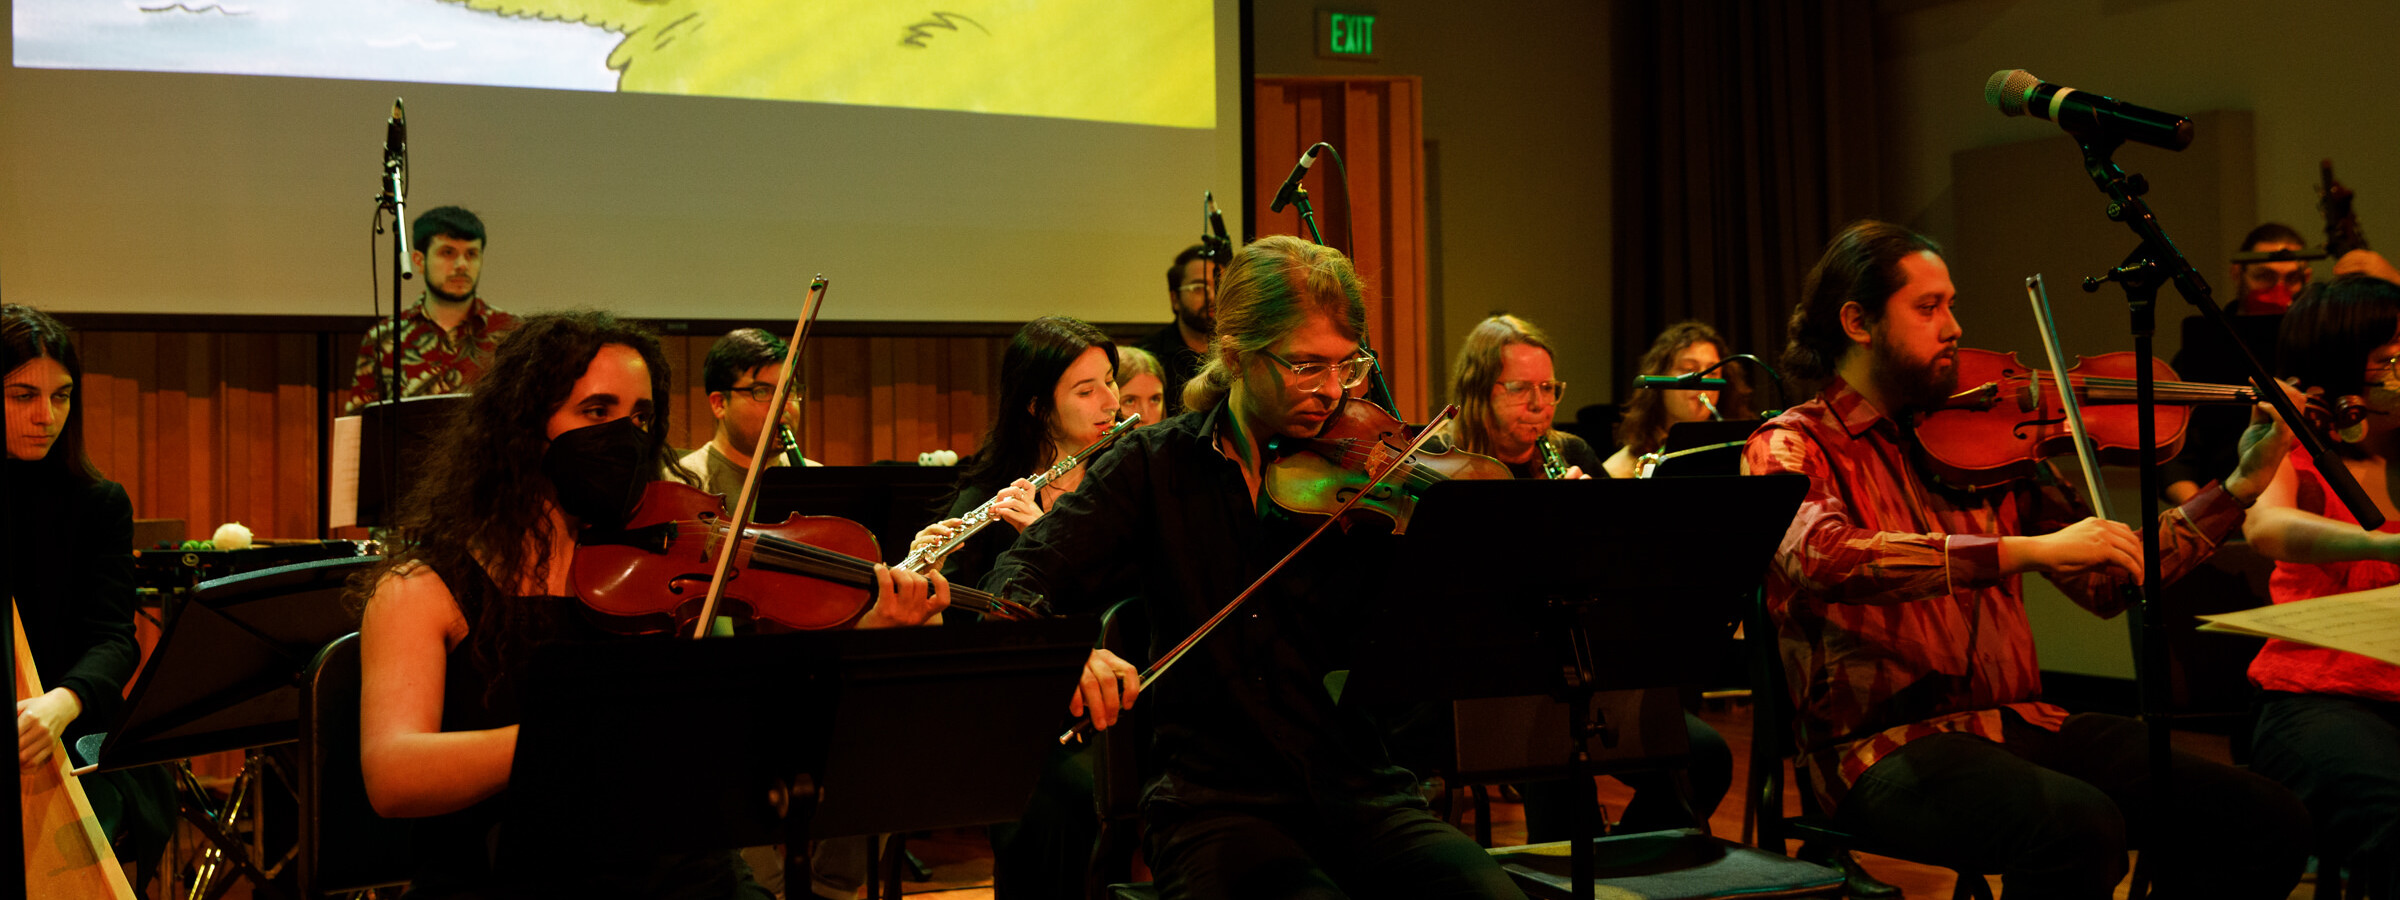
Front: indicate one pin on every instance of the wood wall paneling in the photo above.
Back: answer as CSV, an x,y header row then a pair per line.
x,y
1378,214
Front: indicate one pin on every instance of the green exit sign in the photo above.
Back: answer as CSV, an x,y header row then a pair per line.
x,y
1346,35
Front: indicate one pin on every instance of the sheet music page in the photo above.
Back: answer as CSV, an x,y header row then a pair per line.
x,y
2366,623
342,481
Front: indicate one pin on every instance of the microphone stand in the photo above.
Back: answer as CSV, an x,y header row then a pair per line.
x,y
1308,213
394,198
2155,262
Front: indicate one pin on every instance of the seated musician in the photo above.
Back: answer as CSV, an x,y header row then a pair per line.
x,y
1505,386
1902,621
69,567
1141,386
1270,787
740,375
558,434
2329,721
1058,394
1507,391
1680,350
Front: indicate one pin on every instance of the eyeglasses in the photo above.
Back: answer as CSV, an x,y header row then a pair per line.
x,y
765,391
1349,373
1521,391
1192,287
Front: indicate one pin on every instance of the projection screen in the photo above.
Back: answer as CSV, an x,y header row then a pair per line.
x,y
975,160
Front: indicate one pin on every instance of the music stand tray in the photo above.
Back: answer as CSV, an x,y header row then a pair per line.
x,y
1592,586
892,501
1705,448
224,675
762,739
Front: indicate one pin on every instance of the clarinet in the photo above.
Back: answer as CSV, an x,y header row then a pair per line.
x,y
925,558
1554,466
791,447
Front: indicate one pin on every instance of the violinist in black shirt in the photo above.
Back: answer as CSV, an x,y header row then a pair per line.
x,y
1270,787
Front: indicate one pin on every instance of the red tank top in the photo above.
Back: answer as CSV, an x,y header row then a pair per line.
x,y
2302,668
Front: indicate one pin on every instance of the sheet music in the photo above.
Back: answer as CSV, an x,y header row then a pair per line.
x,y
342,481
2366,623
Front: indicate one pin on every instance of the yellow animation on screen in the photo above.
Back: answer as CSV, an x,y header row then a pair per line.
x,y
1150,62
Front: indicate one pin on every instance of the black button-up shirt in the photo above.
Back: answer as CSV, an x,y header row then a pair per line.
x,y
1246,717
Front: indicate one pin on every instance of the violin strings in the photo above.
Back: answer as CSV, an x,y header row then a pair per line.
x,y
832,565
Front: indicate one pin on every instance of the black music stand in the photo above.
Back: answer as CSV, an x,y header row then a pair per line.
x,y
416,420
651,746
225,676
892,501
1705,448
1595,586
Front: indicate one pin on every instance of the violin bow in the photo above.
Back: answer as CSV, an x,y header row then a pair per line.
x,y
2084,452
1168,659
738,518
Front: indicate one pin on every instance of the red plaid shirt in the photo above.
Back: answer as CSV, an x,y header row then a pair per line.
x,y
432,361
1891,615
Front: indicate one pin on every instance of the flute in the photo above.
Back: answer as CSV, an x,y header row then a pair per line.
x,y
925,559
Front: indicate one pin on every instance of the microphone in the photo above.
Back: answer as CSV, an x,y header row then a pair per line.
x,y
2016,92
395,167
1216,224
1284,196
1215,246
1691,382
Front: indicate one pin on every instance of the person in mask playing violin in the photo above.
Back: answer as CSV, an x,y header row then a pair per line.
x,y
1902,621
2329,720
1270,787
562,432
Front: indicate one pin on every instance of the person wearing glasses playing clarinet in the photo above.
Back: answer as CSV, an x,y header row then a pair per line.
x,y
1507,391
1268,787
740,375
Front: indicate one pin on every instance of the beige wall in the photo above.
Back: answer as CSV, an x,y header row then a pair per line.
x,y
2316,80
1517,174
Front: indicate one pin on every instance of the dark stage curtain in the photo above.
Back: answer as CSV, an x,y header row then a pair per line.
x,y
1745,137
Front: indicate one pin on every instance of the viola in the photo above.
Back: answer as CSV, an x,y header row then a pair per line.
x,y
1318,475
805,573
2007,417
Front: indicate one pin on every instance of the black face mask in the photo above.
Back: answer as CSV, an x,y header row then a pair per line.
x,y
599,470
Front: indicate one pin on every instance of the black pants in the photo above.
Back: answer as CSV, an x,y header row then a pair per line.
x,y
2054,813
1268,854
2342,756
1043,855
1655,804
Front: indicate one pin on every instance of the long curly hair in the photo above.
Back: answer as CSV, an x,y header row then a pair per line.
x,y
1644,427
28,334
482,507
1018,443
1267,289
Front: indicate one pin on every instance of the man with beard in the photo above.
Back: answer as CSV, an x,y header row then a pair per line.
x,y
446,340
1900,616
1182,346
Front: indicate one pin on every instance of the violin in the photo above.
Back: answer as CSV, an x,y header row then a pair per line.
x,y
1320,474
805,573
2009,417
